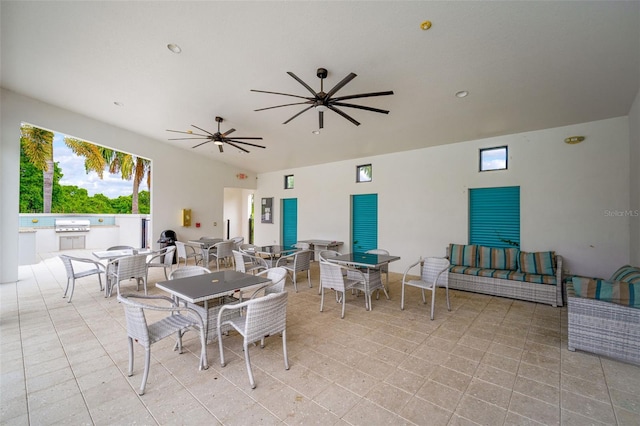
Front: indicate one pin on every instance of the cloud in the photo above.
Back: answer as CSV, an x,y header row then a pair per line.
x,y
72,167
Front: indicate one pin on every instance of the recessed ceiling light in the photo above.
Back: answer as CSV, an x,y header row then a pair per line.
x,y
174,48
462,94
120,104
315,132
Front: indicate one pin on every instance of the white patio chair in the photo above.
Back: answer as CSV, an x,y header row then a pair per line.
x,y
332,276
177,320
187,252
162,258
434,273
264,316
73,274
302,246
237,242
221,251
247,263
383,268
188,271
296,262
126,268
326,254
278,277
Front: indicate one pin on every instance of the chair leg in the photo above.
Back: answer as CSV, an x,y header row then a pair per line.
x,y
147,364
344,303
295,281
309,277
284,349
321,298
222,363
448,304
204,363
130,373
402,297
433,300
248,362
424,300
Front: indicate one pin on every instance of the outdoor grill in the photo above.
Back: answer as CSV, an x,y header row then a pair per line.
x,y
73,225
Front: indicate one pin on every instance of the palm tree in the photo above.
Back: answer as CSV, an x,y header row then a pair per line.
x,y
142,169
130,168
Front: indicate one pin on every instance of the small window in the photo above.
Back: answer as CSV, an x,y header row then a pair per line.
x,y
364,173
493,159
288,182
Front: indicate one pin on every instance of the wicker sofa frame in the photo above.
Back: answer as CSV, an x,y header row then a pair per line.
x,y
541,293
603,328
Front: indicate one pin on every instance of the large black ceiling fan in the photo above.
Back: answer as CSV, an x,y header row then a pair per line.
x,y
322,101
217,137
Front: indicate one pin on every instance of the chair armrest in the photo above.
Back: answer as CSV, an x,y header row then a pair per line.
x,y
406,271
85,260
286,258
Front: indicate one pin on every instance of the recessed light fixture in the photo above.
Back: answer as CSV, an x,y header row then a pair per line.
x,y
315,132
462,94
120,104
174,48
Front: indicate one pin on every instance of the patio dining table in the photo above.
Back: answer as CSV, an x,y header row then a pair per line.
x,y
273,252
116,254
205,244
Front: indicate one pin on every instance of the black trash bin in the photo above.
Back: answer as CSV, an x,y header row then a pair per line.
x,y
168,238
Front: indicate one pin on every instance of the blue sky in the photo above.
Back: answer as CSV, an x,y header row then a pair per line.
x,y
74,173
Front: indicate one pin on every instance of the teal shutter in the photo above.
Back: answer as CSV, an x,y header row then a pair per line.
x,y
289,221
494,216
364,222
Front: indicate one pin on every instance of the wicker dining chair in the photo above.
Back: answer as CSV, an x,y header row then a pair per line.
x,y
187,252
296,262
383,268
248,263
278,277
221,251
178,319
263,317
324,255
332,276
126,268
73,274
434,273
162,258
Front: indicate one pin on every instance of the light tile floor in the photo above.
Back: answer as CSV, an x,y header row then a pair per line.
x,y
489,361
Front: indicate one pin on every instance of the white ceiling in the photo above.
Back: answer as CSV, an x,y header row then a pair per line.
x,y
526,65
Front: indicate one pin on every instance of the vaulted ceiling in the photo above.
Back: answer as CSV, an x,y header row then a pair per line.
x,y
526,65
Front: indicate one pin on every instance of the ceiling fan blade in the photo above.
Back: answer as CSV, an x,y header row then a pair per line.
x,y
278,106
200,144
235,146
278,93
332,108
187,139
363,95
220,148
340,85
382,111
238,137
306,86
228,132
206,131
186,133
304,110
320,120
246,143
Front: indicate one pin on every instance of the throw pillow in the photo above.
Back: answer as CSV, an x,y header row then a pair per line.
x,y
540,263
627,273
619,292
464,255
498,258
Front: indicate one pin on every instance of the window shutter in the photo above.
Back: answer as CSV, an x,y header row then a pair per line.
x,y
289,222
494,216
364,222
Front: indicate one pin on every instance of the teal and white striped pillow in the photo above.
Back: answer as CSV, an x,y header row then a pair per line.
x,y
619,292
541,262
627,273
464,255
498,258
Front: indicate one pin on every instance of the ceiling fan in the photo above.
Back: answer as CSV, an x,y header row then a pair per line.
x,y
322,101
217,137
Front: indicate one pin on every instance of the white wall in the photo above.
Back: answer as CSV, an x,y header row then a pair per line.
x,y
180,178
236,209
566,191
634,199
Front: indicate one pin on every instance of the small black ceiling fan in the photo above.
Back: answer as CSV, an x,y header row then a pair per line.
x,y
322,101
217,137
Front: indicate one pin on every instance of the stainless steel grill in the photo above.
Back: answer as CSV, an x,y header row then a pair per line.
x,y
72,225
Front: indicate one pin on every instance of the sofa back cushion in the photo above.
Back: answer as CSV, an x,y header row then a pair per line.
x,y
463,255
498,258
540,263
627,273
620,292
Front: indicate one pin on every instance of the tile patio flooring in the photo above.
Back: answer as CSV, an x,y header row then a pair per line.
x,y
489,361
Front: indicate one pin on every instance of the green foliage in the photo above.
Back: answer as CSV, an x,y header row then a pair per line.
x,y
30,185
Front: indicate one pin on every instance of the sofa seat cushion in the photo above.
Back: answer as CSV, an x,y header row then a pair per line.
x,y
537,263
498,258
619,292
463,255
504,274
627,273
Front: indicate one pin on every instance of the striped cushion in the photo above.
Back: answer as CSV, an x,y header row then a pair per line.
x,y
464,255
627,273
538,263
498,258
620,292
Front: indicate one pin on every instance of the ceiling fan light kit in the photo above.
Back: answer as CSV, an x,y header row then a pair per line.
x,y
217,138
324,101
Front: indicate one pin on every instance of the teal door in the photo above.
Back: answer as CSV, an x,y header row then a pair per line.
x,y
289,221
364,222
